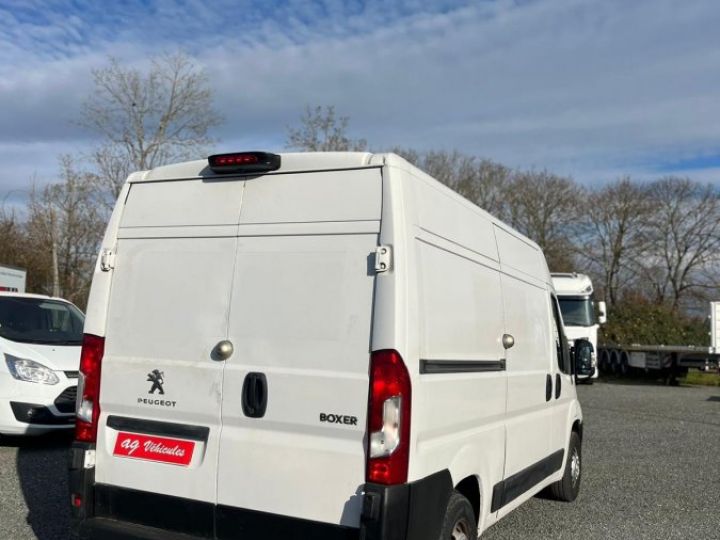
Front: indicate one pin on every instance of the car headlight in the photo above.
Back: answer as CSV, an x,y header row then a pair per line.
x,y
30,371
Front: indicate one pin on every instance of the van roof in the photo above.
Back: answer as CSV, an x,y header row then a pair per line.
x,y
314,161
290,162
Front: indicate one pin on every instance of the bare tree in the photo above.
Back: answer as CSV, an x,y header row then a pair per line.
x,y
684,239
64,229
614,235
544,207
320,130
13,238
148,119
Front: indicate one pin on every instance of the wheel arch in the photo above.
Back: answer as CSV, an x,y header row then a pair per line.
x,y
469,487
577,427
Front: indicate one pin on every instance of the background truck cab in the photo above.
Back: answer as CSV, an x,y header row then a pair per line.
x,y
582,316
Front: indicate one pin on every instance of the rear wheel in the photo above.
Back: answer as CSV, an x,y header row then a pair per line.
x,y
459,522
567,488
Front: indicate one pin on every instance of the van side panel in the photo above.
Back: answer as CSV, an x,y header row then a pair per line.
x,y
460,305
518,255
529,415
531,377
456,358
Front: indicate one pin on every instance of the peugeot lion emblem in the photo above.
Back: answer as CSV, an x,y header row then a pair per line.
x,y
156,378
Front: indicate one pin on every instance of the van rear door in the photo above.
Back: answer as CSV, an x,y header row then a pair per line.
x,y
296,387
161,385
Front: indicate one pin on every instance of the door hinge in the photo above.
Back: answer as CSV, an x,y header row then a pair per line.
x,y
383,258
107,260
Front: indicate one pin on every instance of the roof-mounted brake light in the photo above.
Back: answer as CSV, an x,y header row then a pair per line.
x,y
244,162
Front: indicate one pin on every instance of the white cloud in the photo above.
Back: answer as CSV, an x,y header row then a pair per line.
x,y
591,89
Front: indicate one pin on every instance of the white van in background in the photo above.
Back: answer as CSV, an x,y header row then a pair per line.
x,y
40,340
317,346
578,307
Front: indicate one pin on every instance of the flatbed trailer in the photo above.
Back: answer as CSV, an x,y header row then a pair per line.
x,y
668,361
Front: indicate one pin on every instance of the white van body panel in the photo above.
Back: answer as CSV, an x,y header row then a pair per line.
x,y
282,266
301,312
443,316
170,322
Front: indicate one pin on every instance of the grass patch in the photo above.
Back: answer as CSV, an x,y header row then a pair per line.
x,y
701,378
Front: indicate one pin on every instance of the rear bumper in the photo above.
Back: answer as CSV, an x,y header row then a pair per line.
x,y
412,511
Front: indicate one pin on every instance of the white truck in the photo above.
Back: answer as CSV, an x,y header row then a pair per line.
x,y
581,315
12,279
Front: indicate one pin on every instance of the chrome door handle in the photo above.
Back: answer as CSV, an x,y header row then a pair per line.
x,y
223,350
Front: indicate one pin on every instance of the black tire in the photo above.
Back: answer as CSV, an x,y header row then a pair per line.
x,y
624,364
604,362
459,522
567,488
614,363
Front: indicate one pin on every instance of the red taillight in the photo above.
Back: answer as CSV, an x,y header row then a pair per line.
x,y
88,408
388,419
236,159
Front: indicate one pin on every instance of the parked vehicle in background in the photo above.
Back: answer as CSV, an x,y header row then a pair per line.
x,y
667,361
12,279
321,345
582,316
40,339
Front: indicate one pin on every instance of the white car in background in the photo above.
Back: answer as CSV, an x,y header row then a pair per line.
x,y
40,339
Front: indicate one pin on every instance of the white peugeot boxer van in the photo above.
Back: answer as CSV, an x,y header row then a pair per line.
x,y
317,346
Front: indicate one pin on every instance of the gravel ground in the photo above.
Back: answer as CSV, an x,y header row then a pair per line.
x,y
651,470
34,500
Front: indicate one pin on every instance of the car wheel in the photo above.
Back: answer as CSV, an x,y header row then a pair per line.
x,y
567,488
459,522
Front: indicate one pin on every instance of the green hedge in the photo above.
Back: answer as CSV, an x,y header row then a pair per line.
x,y
638,321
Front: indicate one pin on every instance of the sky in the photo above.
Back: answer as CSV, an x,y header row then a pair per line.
x,y
590,89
